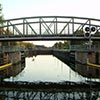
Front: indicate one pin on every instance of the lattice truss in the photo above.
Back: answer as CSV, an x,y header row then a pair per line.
x,y
47,25
50,26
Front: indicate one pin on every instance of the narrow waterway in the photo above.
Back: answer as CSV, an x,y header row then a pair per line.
x,y
46,68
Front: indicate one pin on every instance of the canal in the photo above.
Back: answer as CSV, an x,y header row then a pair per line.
x,y
46,68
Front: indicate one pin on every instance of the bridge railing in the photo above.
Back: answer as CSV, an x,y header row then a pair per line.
x,y
71,48
85,47
11,48
80,48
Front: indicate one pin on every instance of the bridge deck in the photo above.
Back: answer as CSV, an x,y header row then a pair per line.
x,y
49,86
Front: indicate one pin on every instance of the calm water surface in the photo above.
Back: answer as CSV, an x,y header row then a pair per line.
x,y
46,68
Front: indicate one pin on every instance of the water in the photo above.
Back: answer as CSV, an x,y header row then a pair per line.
x,y
46,68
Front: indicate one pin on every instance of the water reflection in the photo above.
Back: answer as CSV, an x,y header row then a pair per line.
x,y
12,71
46,68
87,71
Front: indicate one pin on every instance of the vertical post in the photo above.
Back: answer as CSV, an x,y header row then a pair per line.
x,y
23,27
40,30
90,42
68,29
13,30
73,26
26,29
56,26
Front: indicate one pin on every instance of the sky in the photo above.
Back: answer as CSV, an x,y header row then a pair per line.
x,y
27,8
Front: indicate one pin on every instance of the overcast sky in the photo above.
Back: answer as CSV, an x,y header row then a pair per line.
x,y
24,8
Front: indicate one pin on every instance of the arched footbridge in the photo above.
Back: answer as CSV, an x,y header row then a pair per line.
x,y
50,28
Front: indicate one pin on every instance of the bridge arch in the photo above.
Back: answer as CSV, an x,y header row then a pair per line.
x,y
48,28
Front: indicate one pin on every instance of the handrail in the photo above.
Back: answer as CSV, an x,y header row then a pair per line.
x,y
85,47
5,66
10,48
93,65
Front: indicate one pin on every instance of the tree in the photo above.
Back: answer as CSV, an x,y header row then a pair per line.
x,y
66,44
1,20
55,46
26,45
1,16
77,42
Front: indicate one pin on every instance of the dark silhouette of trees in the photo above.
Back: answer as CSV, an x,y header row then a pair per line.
x,y
1,16
61,45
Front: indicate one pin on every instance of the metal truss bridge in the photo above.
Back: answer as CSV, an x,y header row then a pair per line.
x,y
50,28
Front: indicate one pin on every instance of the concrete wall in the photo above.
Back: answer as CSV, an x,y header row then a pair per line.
x,y
82,68
18,60
66,57
78,62
11,57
